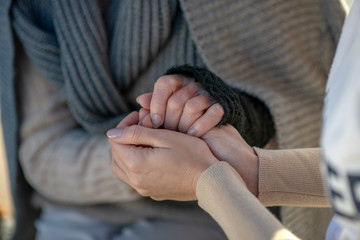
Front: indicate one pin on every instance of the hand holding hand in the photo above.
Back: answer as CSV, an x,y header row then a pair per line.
x,y
227,145
180,103
158,163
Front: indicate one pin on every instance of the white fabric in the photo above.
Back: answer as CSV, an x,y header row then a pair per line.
x,y
341,131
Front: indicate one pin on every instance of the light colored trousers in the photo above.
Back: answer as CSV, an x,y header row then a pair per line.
x,y
57,223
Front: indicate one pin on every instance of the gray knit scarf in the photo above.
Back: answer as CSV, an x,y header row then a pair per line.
x,y
79,47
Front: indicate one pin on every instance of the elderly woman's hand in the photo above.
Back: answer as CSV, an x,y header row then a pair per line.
x,y
180,104
159,163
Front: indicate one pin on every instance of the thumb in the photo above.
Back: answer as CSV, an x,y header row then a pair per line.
x,y
137,135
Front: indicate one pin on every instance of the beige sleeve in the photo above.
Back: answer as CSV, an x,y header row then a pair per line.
x,y
222,193
291,178
61,160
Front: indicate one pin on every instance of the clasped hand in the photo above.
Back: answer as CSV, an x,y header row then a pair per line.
x,y
167,163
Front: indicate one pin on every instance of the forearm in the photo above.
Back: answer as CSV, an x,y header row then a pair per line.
x,y
222,193
291,178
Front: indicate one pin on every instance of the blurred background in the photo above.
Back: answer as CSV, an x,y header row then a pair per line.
x,y
5,201
349,2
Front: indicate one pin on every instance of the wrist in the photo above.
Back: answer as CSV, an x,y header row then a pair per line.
x,y
199,172
250,173
254,185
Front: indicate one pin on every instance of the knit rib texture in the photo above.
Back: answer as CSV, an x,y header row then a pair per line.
x,y
277,50
246,113
93,60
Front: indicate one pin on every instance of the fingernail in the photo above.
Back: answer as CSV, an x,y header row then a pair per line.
x,y
115,132
156,120
191,131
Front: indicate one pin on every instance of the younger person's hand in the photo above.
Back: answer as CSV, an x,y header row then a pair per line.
x,y
159,163
179,103
227,145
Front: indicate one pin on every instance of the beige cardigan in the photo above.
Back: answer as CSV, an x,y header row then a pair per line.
x,y
286,177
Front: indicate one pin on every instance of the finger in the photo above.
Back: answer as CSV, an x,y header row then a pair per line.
x,y
124,177
193,110
119,172
131,119
176,104
142,113
125,174
218,132
138,135
163,89
207,121
130,158
144,100
146,121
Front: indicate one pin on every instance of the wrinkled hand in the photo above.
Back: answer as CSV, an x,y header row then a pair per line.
x,y
158,163
227,145
180,104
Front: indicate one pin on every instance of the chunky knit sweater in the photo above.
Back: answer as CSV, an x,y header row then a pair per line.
x,y
279,51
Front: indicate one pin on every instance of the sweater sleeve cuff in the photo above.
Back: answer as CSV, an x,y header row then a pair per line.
x,y
291,178
223,194
212,177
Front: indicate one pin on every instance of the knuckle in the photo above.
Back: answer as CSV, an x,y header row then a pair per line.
x,y
168,81
139,184
174,104
194,86
192,106
134,165
157,198
143,192
134,132
217,110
